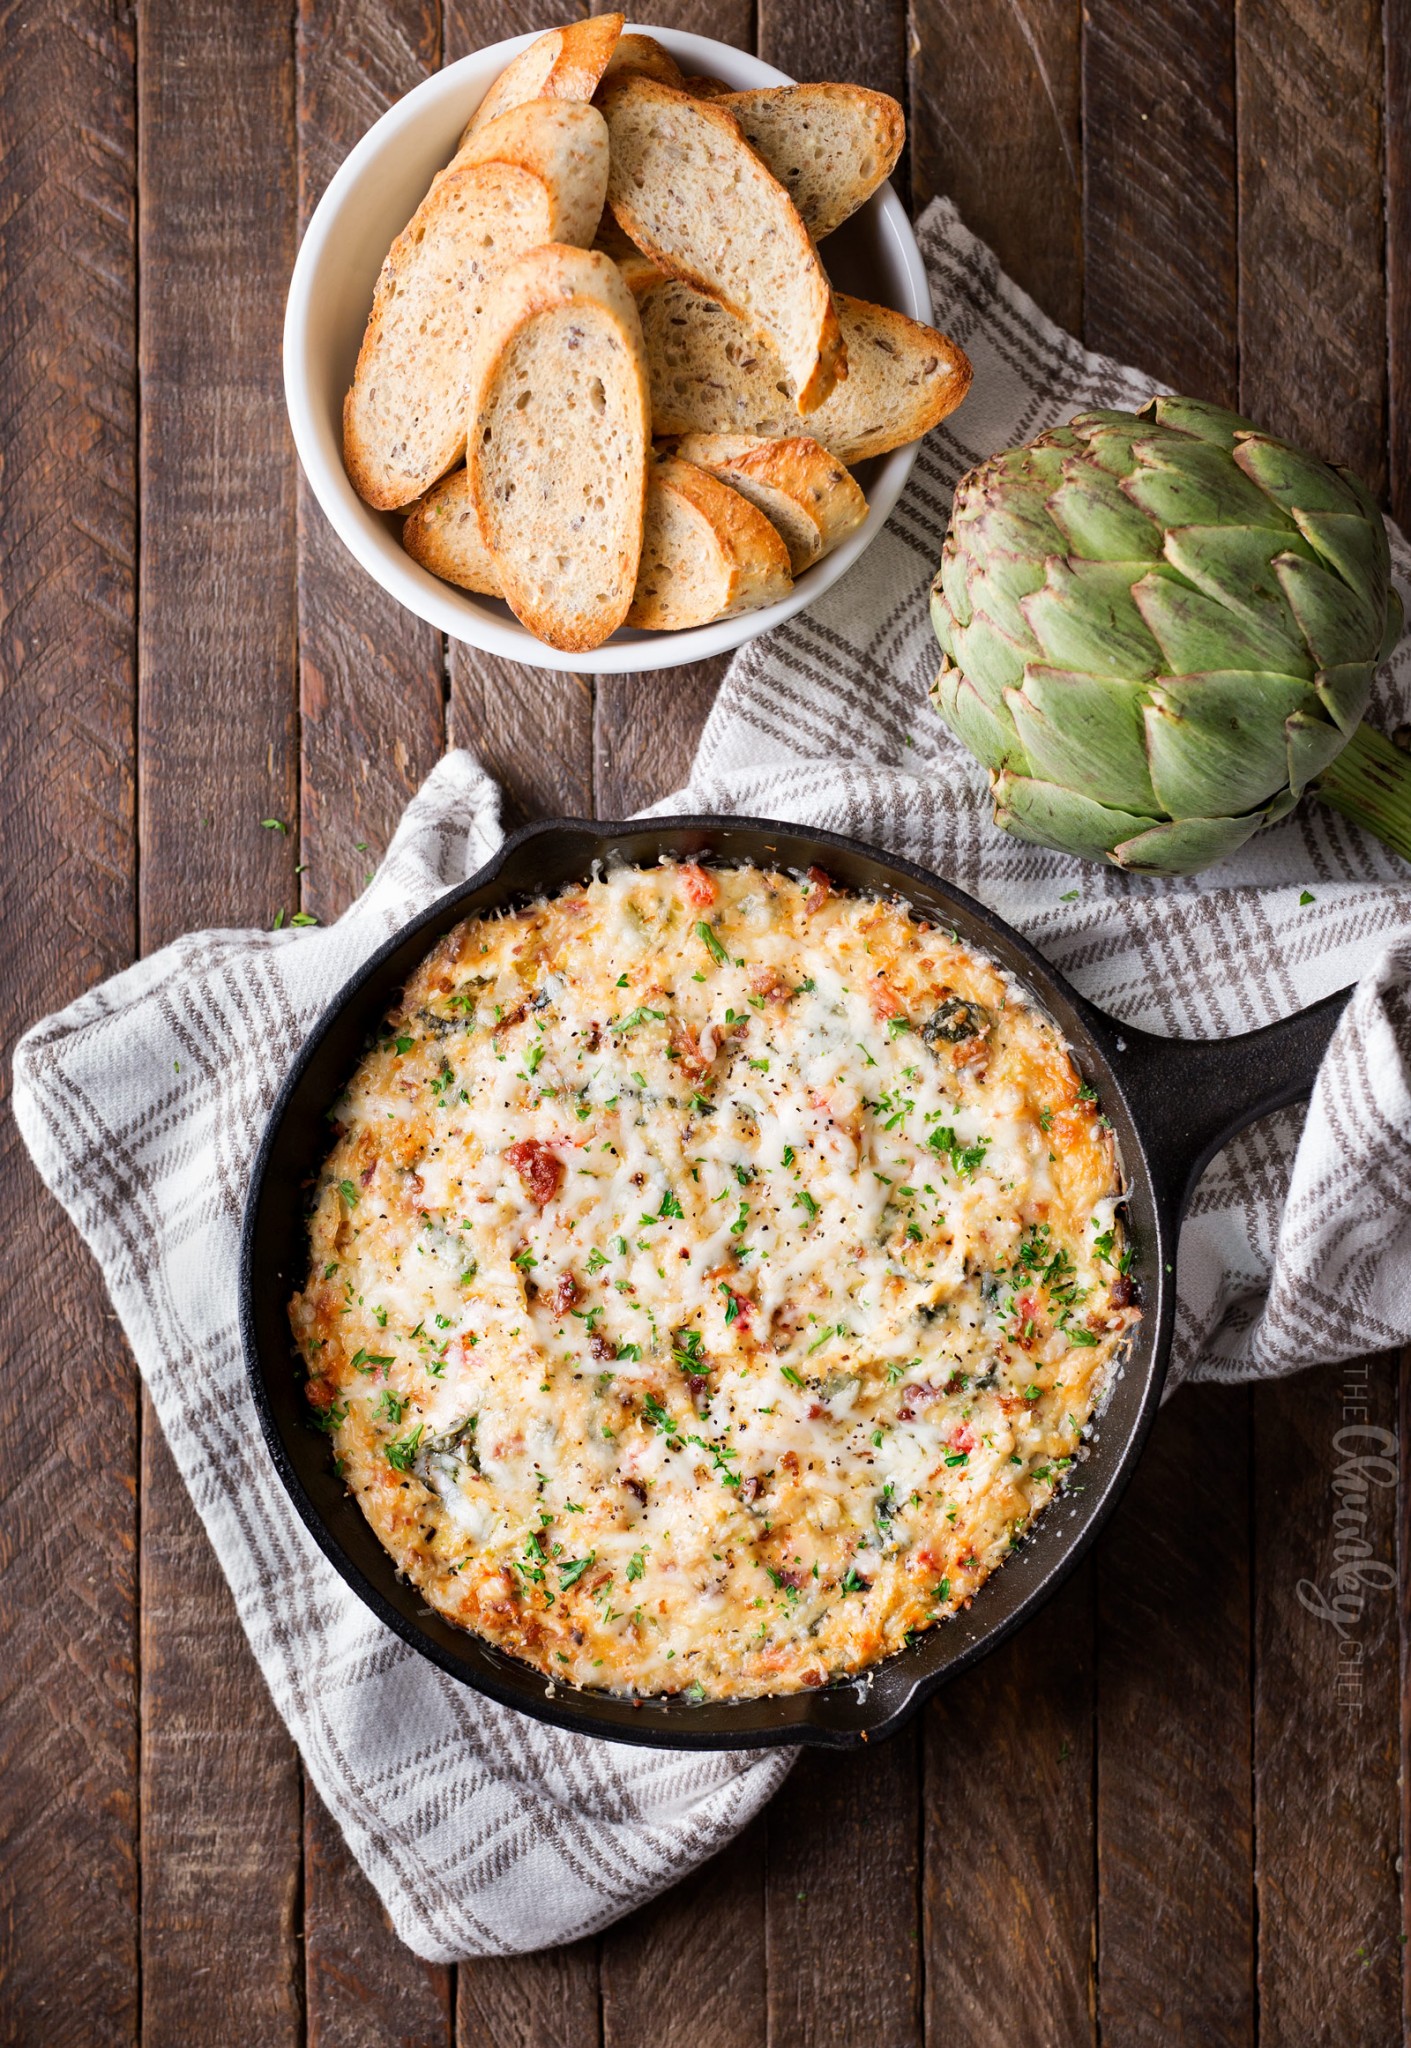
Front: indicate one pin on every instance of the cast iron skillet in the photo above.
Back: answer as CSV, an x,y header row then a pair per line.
x,y
1173,1103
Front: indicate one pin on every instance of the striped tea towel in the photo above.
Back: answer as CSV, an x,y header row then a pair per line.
x,y
142,1104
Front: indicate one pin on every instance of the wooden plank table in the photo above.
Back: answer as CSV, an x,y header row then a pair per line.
x,y
1169,1810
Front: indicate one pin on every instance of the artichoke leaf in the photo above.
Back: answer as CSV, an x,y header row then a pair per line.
x,y
1338,625
997,583
1217,743
1084,618
942,620
1185,846
991,739
1047,815
1391,631
1199,636
1348,545
1085,732
1235,566
954,581
1292,479
1006,513
1099,520
1191,416
1345,693
993,662
1110,448
1192,484
1313,741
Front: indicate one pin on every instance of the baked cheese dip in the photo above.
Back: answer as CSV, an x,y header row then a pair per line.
x,y
711,1279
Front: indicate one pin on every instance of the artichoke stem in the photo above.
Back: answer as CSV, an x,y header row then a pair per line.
x,y
1370,782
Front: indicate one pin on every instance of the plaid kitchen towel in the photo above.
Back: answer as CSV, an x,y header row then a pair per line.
x,y
142,1104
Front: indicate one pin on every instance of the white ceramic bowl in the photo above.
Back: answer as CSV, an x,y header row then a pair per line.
x,y
369,201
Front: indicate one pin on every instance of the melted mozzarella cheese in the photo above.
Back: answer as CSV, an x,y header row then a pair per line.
x,y
711,1278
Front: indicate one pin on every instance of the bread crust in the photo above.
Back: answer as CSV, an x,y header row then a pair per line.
x,y
562,64
547,282
905,377
751,562
827,501
644,54
648,123
442,532
536,174
786,125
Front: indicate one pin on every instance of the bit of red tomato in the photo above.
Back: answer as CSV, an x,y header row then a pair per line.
x,y
885,1001
539,1168
962,1437
699,886
820,888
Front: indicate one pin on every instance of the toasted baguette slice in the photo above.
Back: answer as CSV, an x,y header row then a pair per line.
x,y
565,141
830,146
701,86
707,552
694,197
645,54
404,418
703,556
557,443
709,374
563,64
801,489
442,533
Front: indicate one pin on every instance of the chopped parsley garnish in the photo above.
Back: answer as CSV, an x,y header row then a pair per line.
x,y
637,1565
401,1452
712,944
349,1193
854,1582
660,1419
965,1159
571,1569
670,1207
391,1407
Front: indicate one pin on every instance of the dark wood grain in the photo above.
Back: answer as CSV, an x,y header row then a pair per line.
x,y
1313,365
1010,1920
1397,39
1174,1812
688,1971
68,1398
363,1987
843,1936
995,100
549,2000
1175,1825
1159,249
217,753
1312,286
371,677
1327,1709
371,726
645,731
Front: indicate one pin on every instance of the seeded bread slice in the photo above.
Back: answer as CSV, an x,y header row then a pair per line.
x,y
702,555
559,430
710,375
801,489
695,198
830,146
707,552
636,52
563,64
442,533
404,418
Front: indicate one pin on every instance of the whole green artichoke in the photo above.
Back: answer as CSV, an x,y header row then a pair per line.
x,y
1160,629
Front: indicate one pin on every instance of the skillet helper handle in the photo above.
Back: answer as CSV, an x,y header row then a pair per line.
x,y
1191,1095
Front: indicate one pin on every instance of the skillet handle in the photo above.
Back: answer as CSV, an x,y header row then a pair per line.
x,y
1190,1096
